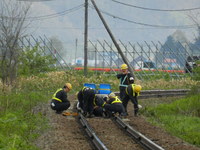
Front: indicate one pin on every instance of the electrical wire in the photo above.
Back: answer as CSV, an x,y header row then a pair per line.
x,y
154,9
145,24
62,13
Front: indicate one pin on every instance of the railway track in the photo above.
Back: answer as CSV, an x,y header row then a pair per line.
x,y
145,94
100,130
146,143
100,135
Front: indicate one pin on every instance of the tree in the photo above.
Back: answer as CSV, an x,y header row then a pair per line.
x,y
172,51
13,26
34,61
196,71
195,47
56,46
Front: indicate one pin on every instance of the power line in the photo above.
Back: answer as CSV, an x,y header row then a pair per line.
x,y
62,13
34,0
150,25
154,9
97,28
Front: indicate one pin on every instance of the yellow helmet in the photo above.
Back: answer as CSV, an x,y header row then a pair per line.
x,y
124,66
137,88
111,95
68,85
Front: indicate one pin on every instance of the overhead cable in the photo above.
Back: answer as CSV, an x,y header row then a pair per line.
x,y
62,13
57,14
150,25
155,9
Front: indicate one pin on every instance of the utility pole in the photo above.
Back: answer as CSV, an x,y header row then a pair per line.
x,y
76,43
86,38
112,37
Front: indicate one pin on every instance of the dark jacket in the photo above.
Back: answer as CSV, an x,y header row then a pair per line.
x,y
60,94
125,79
130,91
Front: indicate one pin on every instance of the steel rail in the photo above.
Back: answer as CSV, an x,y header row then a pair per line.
x,y
92,135
146,94
146,143
139,138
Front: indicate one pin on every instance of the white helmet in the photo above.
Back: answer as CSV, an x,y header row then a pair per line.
x,y
111,95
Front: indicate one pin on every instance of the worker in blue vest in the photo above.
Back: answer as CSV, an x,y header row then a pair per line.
x,y
131,93
59,101
85,97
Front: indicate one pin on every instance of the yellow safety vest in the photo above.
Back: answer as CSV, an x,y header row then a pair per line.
x,y
117,100
83,89
133,85
54,95
94,102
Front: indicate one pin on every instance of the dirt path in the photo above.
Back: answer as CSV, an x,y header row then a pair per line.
x,y
66,133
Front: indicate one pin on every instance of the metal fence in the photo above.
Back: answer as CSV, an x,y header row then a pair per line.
x,y
153,59
147,59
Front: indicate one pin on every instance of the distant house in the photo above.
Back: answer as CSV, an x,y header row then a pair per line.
x,y
135,62
142,63
80,62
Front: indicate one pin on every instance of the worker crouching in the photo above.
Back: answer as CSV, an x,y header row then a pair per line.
x,y
113,105
59,101
98,101
85,97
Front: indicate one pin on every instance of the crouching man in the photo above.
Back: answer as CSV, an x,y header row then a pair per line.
x,y
59,101
98,101
113,105
85,98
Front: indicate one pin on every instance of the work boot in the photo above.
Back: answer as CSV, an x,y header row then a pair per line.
x,y
58,112
90,115
105,114
124,114
136,112
84,113
108,114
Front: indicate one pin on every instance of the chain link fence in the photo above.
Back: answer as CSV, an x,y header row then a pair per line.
x,y
149,60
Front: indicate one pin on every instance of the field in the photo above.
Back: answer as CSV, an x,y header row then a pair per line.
x,y
21,124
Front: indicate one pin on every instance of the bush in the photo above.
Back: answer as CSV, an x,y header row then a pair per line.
x,y
196,71
34,61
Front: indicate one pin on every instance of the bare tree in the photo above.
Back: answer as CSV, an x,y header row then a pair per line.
x,y
13,25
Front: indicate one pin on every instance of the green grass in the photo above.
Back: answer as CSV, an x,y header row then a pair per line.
x,y
19,126
181,118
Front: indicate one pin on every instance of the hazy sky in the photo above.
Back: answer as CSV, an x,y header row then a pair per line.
x,y
68,23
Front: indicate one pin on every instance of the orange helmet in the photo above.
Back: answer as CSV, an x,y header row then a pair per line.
x,y
68,85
